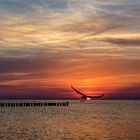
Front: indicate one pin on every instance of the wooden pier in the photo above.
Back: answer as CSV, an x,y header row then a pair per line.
x,y
32,104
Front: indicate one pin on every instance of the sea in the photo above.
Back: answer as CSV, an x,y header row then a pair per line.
x,y
91,120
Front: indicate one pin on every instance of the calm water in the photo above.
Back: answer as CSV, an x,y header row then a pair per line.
x,y
98,120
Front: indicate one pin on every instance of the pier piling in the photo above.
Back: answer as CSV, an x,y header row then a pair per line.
x,y
32,104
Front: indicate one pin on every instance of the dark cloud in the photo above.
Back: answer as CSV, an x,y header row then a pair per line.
x,y
125,42
129,92
42,67
54,92
30,92
37,67
15,76
27,68
24,64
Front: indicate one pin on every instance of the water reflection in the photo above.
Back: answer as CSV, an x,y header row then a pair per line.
x,y
105,120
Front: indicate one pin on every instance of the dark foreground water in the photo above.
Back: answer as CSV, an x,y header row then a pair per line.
x,y
98,120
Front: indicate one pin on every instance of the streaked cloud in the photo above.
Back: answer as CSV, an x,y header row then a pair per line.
x,y
125,42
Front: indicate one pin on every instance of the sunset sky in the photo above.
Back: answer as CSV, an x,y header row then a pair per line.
x,y
48,45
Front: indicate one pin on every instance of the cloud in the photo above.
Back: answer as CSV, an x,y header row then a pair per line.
x,y
128,92
32,92
124,41
48,92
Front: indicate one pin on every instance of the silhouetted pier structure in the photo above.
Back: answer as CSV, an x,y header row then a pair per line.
x,y
33,104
